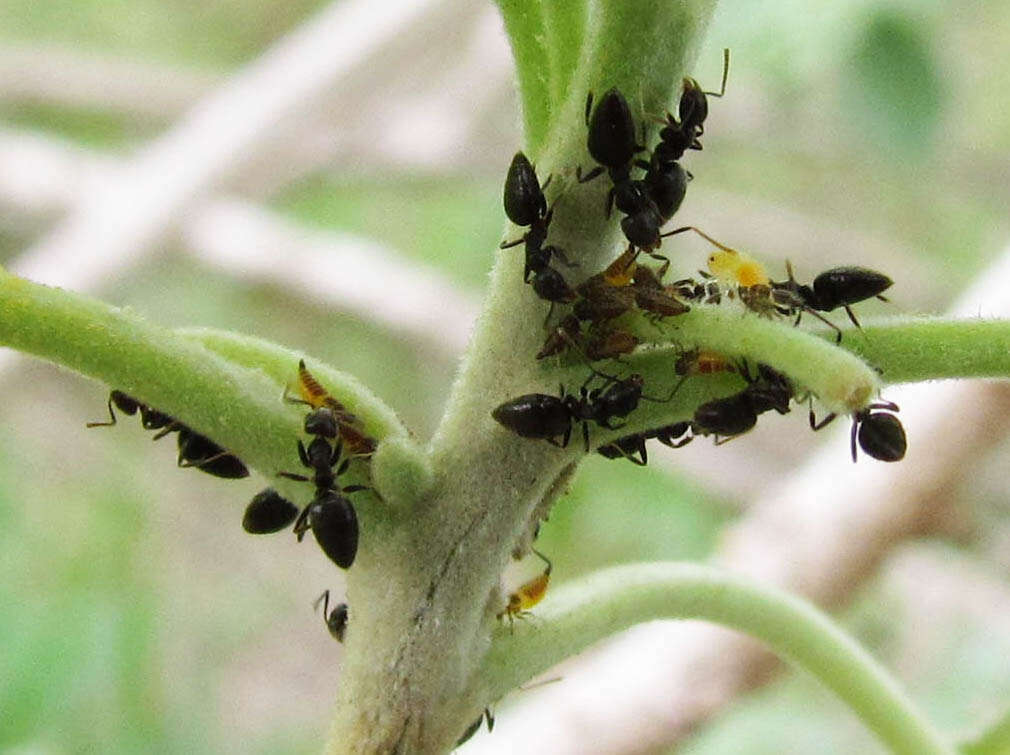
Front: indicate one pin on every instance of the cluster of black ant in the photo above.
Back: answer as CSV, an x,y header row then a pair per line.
x,y
647,203
330,515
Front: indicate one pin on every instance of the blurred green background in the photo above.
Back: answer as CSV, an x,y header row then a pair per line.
x,y
137,614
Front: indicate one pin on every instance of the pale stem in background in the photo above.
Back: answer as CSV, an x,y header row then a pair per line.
x,y
129,214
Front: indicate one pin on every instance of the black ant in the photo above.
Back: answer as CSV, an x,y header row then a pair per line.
x,y
526,205
195,450
545,417
329,515
268,512
336,620
879,433
834,288
678,136
665,179
612,143
734,415
150,419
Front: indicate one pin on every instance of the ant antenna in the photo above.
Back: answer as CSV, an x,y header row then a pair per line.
x,y
725,74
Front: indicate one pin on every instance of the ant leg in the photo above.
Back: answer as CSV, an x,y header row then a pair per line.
x,y
701,233
852,438
325,600
889,405
725,74
543,558
290,399
852,316
589,106
510,244
585,434
720,441
354,488
489,719
597,171
185,464
550,311
112,417
609,205
171,427
293,476
826,321
815,425
302,525
304,455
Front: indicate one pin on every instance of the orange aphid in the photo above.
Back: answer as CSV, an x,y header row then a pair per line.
x,y
313,393
703,362
316,396
735,268
529,593
621,272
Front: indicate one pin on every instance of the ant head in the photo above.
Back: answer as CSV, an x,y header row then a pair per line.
x,y
321,422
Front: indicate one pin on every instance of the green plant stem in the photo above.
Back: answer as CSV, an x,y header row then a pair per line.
x,y
237,407
575,616
908,349
524,23
225,386
840,380
993,741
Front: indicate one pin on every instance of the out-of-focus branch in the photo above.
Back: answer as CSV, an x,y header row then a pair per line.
x,y
39,176
820,533
145,197
358,275
61,76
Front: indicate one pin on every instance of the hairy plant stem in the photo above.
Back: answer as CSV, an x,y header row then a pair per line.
x,y
578,615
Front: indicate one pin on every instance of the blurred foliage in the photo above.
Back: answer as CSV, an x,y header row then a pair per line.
x,y
126,629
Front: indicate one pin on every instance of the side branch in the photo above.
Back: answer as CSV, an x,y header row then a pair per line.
x,y
578,615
